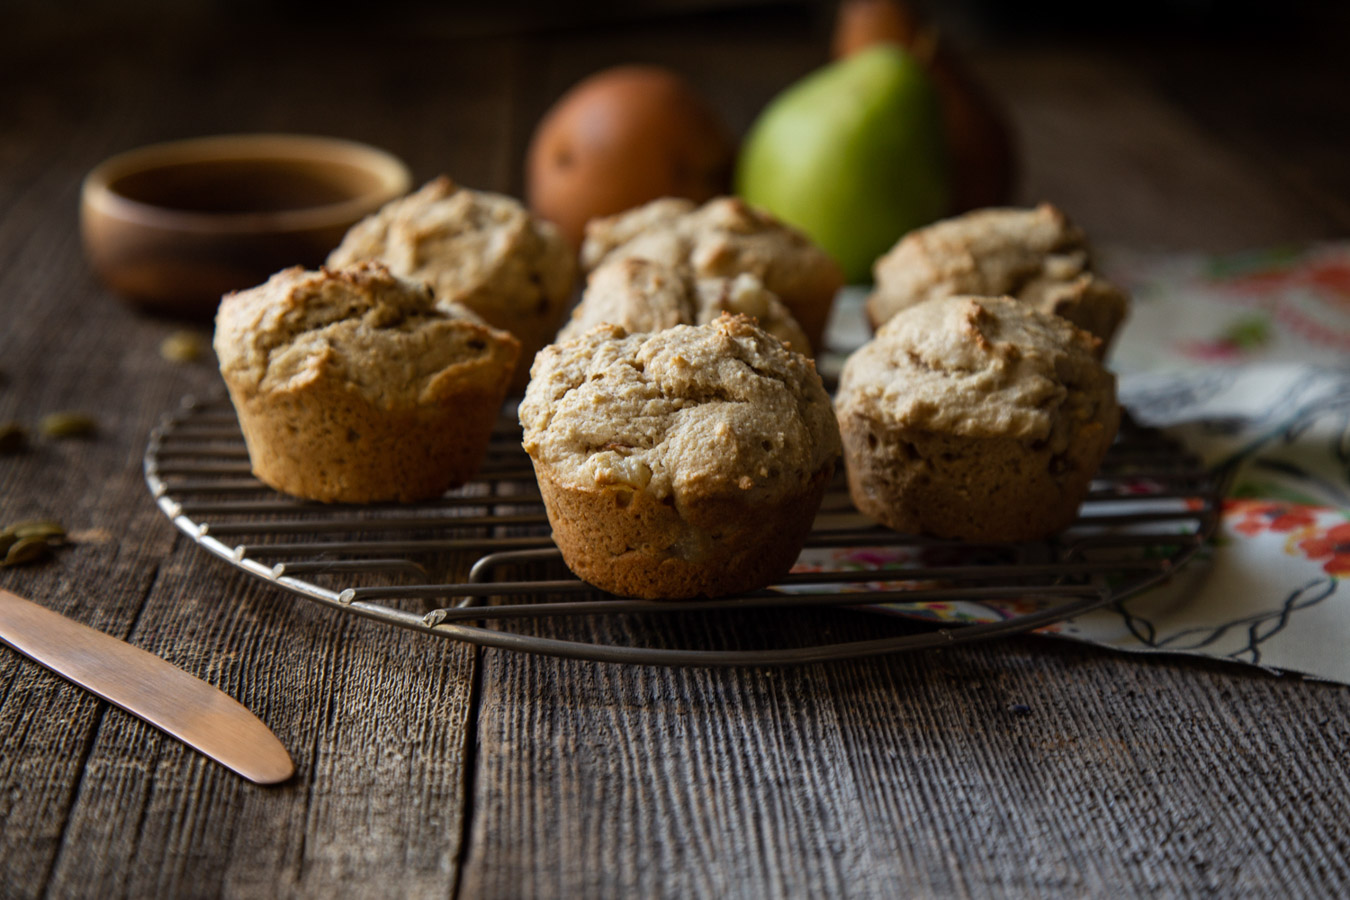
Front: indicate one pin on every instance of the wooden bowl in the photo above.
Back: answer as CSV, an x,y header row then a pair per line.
x,y
171,227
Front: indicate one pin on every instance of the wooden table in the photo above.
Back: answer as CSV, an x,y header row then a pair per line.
x,y
427,768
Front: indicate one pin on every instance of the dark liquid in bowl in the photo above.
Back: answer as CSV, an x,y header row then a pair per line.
x,y
243,186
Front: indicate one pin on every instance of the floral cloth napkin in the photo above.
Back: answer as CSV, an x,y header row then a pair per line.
x,y
1246,359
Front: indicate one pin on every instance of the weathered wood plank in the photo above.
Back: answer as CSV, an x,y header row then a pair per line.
x,y
912,776
65,347
96,803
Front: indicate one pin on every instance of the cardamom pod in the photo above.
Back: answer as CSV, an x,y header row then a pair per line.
x,y
183,347
67,424
25,550
41,529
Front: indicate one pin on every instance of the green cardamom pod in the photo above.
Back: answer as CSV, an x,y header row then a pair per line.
x,y
25,550
183,347
67,424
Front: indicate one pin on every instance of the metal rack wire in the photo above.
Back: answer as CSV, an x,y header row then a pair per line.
x,y
478,565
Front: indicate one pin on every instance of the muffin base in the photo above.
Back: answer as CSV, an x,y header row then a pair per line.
x,y
334,445
629,542
974,489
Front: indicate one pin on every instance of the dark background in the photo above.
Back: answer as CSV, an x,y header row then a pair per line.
x,y
1270,78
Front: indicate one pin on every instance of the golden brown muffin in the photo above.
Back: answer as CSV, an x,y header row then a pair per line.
x,y
480,249
355,385
1035,255
721,239
643,295
975,418
679,463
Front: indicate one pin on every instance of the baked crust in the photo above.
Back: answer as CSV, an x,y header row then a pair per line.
x,y
975,489
643,295
631,543
722,239
975,418
353,386
475,248
1034,255
683,462
328,443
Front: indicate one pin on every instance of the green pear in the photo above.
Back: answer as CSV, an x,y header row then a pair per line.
x,y
852,154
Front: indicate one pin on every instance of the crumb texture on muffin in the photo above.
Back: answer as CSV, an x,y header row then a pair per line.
x,y
975,418
1034,255
722,239
682,412
381,334
354,385
682,462
475,248
644,295
979,368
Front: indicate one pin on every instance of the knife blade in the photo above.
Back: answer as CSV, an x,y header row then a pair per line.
x,y
146,686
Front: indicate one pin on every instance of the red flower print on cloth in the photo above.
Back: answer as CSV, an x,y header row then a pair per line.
x,y
1260,516
1332,276
1307,294
1329,274
1333,543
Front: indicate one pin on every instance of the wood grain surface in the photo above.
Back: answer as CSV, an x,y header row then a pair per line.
x,y
1028,767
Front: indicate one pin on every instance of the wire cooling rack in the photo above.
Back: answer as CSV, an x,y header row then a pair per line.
x,y
478,565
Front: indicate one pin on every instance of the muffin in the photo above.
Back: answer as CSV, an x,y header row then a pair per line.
x,y
975,418
354,385
679,463
1035,255
479,249
721,239
643,295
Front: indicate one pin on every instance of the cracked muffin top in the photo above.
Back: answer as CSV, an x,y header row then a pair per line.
x,y
642,296
383,335
477,248
1034,255
722,239
979,367
693,411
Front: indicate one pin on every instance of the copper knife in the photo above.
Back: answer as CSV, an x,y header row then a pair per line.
x,y
148,687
